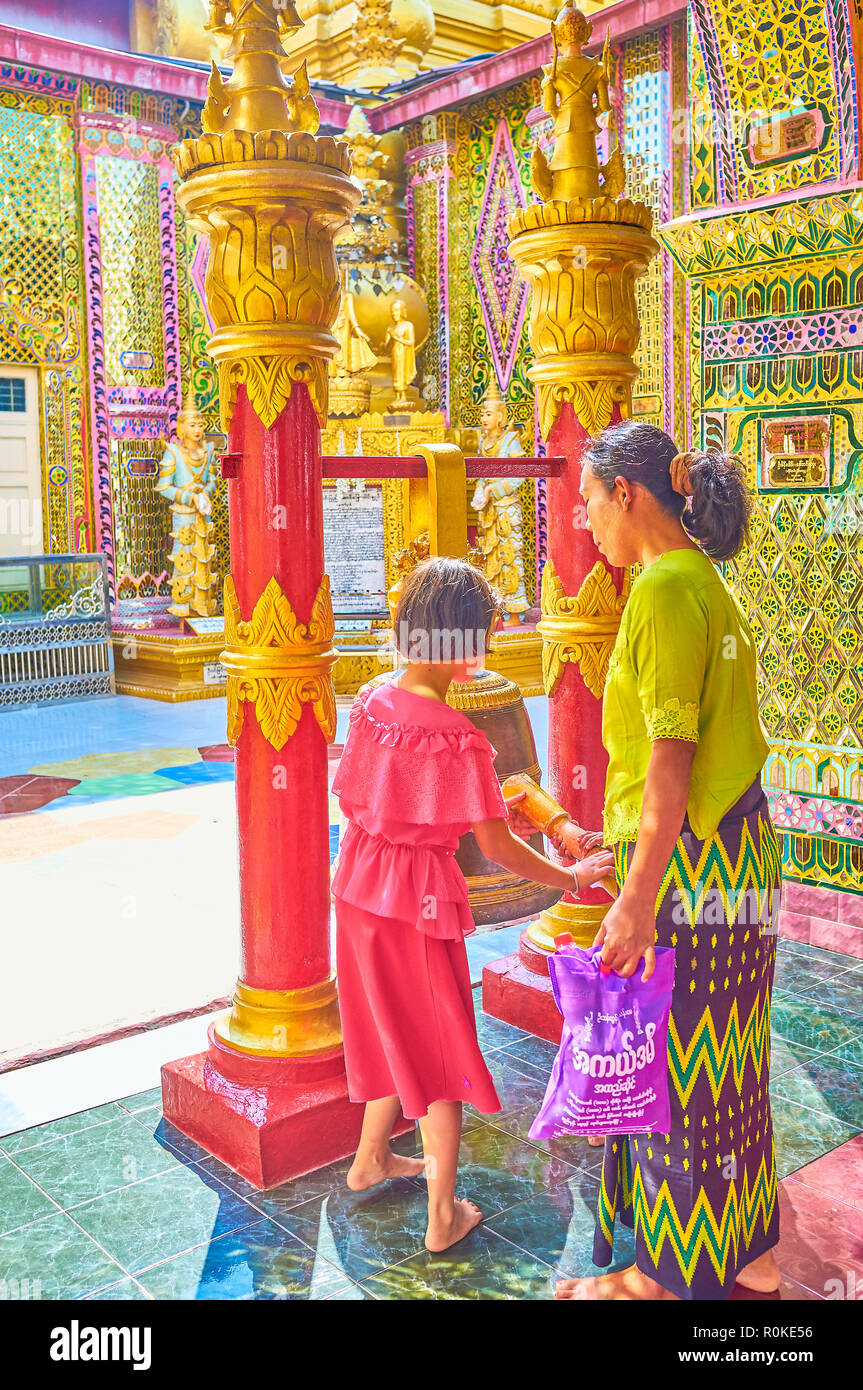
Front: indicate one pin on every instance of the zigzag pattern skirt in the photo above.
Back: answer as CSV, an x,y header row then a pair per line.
x,y
703,1198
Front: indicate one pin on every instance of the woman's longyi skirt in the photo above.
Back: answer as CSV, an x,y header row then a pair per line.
x,y
703,1198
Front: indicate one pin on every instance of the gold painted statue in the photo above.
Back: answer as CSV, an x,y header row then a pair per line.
x,y
404,358
355,353
349,390
498,504
575,93
187,478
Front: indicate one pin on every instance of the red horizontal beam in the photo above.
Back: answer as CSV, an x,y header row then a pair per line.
x,y
370,466
387,466
514,467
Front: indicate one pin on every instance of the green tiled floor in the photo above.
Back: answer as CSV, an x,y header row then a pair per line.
x,y
115,1203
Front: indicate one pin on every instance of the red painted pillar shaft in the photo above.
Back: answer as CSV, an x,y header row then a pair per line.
x,y
577,761
276,512
517,989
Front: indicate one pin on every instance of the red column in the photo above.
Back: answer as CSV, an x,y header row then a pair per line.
x,y
269,1097
575,714
276,509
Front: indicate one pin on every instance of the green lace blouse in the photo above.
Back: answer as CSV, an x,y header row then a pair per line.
x,y
683,666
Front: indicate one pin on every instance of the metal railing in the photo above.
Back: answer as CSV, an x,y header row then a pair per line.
x,y
55,629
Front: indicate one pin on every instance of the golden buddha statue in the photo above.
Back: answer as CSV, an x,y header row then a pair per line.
x,y
575,93
355,353
401,336
498,504
187,479
349,390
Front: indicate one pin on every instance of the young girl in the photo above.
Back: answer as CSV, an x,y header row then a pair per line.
x,y
415,776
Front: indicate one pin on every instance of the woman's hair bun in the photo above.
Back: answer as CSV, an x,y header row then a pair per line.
x,y
719,504
706,488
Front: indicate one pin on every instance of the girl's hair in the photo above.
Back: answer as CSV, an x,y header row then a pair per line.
x,y
443,596
717,513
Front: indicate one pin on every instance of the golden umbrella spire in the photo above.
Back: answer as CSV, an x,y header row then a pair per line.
x,y
256,96
270,194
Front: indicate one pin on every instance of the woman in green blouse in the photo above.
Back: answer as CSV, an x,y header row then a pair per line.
x,y
698,868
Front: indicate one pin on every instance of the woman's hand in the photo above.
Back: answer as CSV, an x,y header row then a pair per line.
x,y
519,824
628,932
594,868
571,840
588,840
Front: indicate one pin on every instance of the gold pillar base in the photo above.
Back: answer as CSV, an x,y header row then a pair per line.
x,y
283,1022
581,920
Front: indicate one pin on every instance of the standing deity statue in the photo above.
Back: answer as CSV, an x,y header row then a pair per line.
x,y
187,478
354,354
404,358
350,391
498,505
575,93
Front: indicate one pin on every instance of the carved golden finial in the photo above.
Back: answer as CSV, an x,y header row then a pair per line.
x,y
575,93
256,96
581,244
304,112
270,194
217,103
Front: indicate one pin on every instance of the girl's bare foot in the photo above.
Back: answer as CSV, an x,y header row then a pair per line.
x,y
443,1233
596,1141
761,1275
625,1284
369,1169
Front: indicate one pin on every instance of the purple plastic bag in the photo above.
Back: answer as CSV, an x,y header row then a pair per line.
x,y
610,1075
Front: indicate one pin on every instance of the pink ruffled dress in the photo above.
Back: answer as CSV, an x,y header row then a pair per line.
x,y
414,776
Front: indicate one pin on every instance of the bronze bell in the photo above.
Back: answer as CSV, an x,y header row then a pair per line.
x,y
495,705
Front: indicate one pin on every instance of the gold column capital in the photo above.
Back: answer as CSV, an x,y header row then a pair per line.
x,y
279,664
580,629
581,245
584,326
270,195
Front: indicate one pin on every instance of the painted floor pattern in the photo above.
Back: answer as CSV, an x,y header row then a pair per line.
x,y
133,799
114,1203
118,848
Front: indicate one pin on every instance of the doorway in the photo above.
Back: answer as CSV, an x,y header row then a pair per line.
x,y
20,470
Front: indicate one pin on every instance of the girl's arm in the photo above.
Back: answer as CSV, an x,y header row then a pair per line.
x,y
498,843
628,929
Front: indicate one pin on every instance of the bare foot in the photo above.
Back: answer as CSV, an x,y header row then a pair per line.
x,y
370,1171
761,1275
442,1234
596,1141
625,1284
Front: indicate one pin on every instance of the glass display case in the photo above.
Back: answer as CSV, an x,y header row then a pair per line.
x,y
55,629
